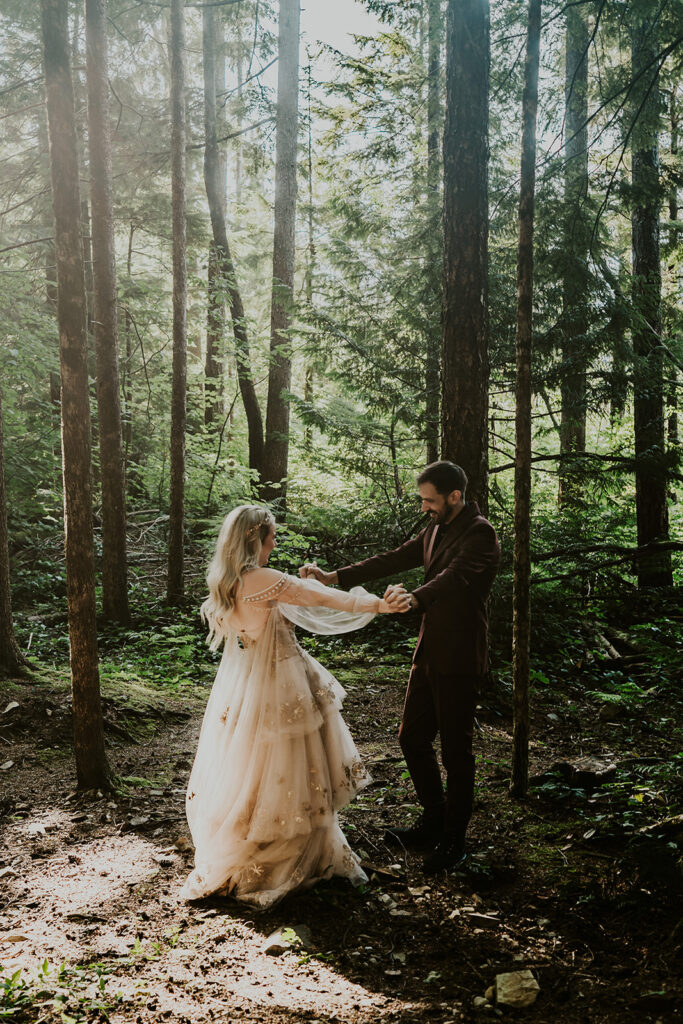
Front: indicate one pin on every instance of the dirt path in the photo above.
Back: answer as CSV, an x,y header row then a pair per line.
x,y
93,881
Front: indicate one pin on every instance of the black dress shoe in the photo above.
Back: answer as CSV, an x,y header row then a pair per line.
x,y
448,854
423,835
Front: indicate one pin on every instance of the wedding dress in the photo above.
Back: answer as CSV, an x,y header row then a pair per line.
x,y
275,760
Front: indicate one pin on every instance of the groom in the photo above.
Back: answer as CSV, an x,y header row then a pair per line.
x,y
460,553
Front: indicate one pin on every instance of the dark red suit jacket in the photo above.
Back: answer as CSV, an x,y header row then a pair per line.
x,y
454,630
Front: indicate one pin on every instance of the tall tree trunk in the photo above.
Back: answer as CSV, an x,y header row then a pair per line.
x,y
280,372
672,396
521,621
240,118
215,195
81,104
91,762
114,557
652,514
176,547
50,277
127,374
86,232
576,245
435,244
465,320
310,261
215,323
12,662
214,81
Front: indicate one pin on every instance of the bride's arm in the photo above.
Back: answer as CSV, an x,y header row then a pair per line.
x,y
270,585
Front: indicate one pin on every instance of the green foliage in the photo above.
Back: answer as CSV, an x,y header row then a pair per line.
x,y
71,994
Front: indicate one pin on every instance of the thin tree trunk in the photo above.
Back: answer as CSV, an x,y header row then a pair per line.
x,y
240,119
176,545
652,514
51,278
80,113
521,621
398,487
310,262
12,662
86,232
215,193
280,372
91,762
435,245
465,320
127,374
215,323
114,556
672,396
576,245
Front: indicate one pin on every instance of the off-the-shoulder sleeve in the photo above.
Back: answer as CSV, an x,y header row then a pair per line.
x,y
311,593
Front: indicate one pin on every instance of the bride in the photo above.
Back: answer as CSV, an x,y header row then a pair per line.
x,y
275,760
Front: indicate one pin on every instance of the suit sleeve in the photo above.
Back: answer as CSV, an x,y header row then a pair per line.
x,y
472,567
408,556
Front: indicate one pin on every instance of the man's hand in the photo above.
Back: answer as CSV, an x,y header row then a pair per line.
x,y
398,599
311,571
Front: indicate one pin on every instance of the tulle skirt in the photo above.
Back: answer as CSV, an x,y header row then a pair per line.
x,y
274,765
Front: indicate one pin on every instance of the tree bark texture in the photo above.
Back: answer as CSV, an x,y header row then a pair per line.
x,y
215,321
435,246
114,556
465,319
215,324
12,662
521,615
91,761
652,515
215,196
672,396
310,261
280,372
575,286
176,546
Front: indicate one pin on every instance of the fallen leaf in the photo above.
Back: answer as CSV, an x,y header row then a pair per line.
x,y
11,706
4,767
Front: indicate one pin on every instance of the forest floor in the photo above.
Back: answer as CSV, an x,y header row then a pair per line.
x,y
577,883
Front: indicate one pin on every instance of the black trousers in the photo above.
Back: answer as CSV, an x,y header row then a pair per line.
x,y
443,704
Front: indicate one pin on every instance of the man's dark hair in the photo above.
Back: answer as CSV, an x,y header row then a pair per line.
x,y
445,476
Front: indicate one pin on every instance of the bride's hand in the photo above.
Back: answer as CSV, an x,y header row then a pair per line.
x,y
395,600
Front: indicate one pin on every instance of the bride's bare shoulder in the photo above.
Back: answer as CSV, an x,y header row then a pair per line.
x,y
257,580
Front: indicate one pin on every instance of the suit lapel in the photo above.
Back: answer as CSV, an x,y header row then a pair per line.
x,y
458,529
429,543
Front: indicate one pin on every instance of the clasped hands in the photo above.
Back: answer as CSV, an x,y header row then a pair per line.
x,y
396,595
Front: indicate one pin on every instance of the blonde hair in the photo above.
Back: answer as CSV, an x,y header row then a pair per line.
x,y
238,549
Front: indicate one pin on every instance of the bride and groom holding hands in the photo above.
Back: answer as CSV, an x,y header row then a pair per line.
x,y
275,760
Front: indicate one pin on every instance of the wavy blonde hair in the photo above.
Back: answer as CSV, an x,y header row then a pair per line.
x,y
238,549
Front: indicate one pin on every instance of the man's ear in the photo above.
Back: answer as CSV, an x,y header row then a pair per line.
x,y
454,497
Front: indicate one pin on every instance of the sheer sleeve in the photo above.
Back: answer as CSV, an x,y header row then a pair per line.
x,y
318,608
